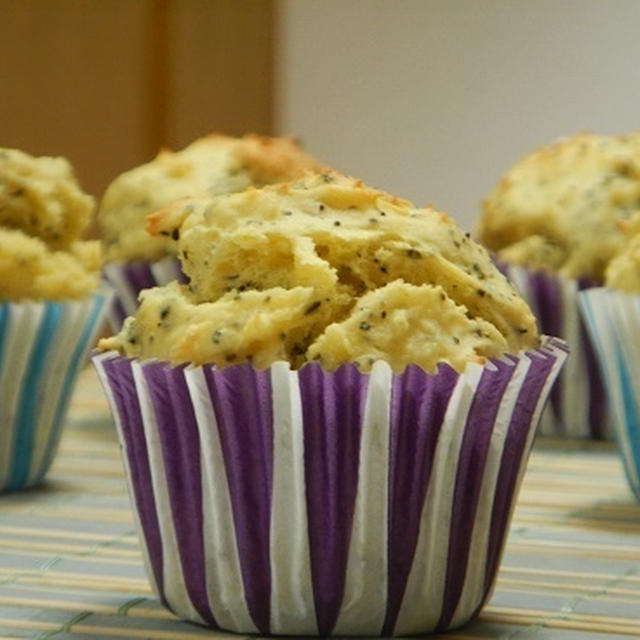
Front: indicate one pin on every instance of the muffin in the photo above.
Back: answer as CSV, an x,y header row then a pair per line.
x,y
612,316
51,307
212,165
552,221
325,429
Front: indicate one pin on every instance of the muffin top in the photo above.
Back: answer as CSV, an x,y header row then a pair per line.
x,y
623,272
557,209
324,268
43,214
42,198
209,166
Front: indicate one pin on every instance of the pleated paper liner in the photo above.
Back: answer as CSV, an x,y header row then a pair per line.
x,y
130,278
577,407
613,320
43,345
314,503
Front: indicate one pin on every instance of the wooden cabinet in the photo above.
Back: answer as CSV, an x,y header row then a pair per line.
x,y
108,82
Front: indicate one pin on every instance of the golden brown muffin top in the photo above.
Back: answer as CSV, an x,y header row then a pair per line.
x,y
325,268
212,165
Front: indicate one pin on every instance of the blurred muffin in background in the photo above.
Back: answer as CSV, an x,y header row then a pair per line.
x,y
51,308
558,208
215,164
554,222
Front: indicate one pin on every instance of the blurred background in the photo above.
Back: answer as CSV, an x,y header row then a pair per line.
x,y
430,99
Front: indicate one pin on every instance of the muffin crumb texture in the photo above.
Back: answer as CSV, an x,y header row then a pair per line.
x,y
559,208
623,272
215,164
43,215
327,269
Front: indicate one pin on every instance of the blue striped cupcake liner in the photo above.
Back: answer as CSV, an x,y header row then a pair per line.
x,y
613,320
316,503
578,404
43,345
130,278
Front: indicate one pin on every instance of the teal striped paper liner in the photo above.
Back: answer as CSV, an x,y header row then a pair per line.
x,y
43,345
613,321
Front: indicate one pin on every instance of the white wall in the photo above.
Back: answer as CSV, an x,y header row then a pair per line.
x,y
434,99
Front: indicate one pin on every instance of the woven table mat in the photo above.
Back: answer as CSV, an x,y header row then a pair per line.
x,y
70,564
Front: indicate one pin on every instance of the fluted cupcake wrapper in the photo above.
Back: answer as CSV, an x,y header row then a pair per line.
x,y
577,407
43,345
613,320
313,503
130,278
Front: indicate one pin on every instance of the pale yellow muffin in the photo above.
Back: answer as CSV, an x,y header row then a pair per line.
x,y
623,272
29,269
343,238
325,268
43,214
41,196
256,326
209,166
557,209
404,323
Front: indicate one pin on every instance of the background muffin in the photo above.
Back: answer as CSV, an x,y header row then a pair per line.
x,y
211,165
557,208
50,307
554,221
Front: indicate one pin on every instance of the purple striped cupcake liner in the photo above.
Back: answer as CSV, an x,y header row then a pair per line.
x,y
316,503
128,279
43,346
578,405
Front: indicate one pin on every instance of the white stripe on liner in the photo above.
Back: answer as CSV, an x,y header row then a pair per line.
x,y
114,273
626,309
365,592
102,374
174,585
292,601
165,270
68,332
474,581
520,278
559,356
549,424
225,590
23,322
423,598
575,392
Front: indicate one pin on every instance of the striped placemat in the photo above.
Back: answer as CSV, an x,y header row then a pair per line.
x,y
70,564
